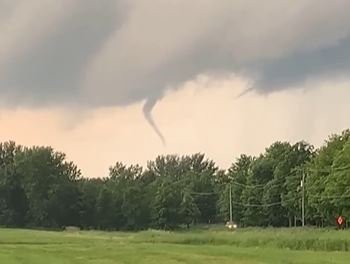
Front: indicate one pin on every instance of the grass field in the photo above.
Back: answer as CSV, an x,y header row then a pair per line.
x,y
197,246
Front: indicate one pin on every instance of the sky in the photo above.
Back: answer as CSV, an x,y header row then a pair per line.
x,y
127,80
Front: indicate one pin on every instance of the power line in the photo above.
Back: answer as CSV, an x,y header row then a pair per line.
x,y
328,170
281,203
253,186
293,174
263,205
289,200
203,193
289,176
330,196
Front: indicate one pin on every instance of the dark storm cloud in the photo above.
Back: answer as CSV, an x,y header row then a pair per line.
x,y
192,38
49,72
292,71
118,52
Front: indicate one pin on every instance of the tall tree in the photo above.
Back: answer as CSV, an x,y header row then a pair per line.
x,y
50,187
337,186
300,155
13,200
237,176
259,175
319,172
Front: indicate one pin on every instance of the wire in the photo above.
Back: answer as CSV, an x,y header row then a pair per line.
x,y
263,205
329,197
289,200
289,176
252,186
203,193
328,170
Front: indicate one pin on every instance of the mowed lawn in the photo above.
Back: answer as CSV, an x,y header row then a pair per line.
x,y
278,246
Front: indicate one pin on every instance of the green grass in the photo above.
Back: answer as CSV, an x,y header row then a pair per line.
x,y
295,239
198,246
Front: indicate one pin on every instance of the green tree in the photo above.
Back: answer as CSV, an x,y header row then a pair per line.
x,y
167,206
189,210
50,187
319,172
237,176
105,209
259,175
13,200
337,186
90,190
300,155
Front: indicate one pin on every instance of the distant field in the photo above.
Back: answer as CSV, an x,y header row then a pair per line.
x,y
249,246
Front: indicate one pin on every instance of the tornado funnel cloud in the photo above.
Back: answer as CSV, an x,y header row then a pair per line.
x,y
147,111
245,92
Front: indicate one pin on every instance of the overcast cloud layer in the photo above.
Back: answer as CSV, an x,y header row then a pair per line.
x,y
117,52
89,54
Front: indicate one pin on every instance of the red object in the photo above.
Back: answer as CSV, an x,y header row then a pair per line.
x,y
341,222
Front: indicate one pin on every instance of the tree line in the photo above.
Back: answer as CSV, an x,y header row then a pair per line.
x,y
40,188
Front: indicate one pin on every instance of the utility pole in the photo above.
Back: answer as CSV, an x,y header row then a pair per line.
x,y
303,199
230,204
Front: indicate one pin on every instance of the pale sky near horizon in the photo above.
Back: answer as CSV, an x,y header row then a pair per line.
x,y
75,75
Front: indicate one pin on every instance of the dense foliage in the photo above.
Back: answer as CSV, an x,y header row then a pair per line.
x,y
40,188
